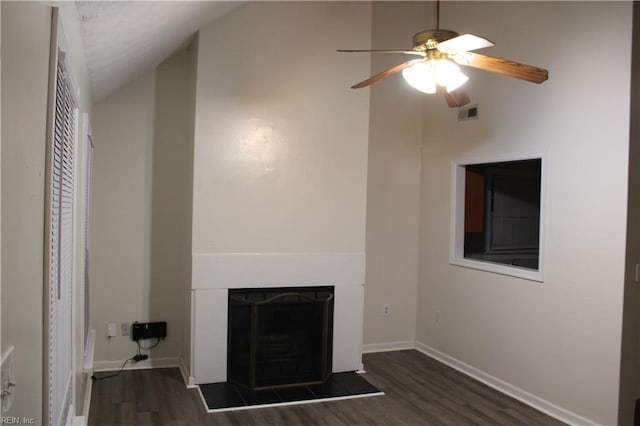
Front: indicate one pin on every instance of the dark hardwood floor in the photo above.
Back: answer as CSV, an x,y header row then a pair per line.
x,y
419,391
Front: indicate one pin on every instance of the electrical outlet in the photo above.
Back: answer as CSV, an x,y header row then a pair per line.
x,y
125,328
386,309
437,316
112,331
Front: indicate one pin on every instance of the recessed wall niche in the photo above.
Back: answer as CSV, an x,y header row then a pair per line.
x,y
497,216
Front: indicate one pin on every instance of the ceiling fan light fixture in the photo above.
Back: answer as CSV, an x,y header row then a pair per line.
x,y
425,75
421,76
448,74
443,50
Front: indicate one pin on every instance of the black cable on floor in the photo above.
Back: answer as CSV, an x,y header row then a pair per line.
x,y
138,357
94,378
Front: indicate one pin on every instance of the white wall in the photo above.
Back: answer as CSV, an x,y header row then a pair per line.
x,y
311,195
26,30
141,210
171,205
280,139
121,213
280,161
393,182
560,339
186,348
1,347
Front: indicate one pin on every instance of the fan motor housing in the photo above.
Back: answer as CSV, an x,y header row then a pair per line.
x,y
430,38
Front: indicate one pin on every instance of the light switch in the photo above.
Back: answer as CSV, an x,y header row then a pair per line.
x,y
112,331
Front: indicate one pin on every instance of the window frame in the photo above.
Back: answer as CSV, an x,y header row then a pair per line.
x,y
456,246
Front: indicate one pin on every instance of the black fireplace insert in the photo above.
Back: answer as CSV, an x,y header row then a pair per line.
x,y
280,337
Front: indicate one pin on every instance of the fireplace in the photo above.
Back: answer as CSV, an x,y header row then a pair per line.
x,y
280,337
216,275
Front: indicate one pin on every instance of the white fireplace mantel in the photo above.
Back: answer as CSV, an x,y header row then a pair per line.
x,y
213,274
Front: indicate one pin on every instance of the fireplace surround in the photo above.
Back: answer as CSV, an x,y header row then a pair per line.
x,y
215,275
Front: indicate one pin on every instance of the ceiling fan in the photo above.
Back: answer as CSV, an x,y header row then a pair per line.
x,y
441,52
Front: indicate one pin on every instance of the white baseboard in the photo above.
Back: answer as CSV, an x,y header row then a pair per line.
x,y
189,381
140,365
192,382
87,370
70,417
388,347
86,405
530,399
89,351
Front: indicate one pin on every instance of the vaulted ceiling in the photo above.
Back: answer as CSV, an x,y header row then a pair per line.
x,y
124,40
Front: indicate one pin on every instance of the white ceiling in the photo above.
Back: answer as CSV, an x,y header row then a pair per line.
x,y
124,40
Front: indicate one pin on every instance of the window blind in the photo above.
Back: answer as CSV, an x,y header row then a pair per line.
x,y
60,201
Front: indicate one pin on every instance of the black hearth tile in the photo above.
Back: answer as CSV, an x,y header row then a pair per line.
x,y
229,395
257,397
221,395
298,393
354,383
329,389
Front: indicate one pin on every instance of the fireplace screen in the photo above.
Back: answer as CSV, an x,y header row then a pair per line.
x,y
280,337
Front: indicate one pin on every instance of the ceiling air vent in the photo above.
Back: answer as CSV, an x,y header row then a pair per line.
x,y
468,113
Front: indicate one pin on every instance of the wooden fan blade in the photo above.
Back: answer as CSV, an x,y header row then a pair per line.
x,y
464,43
383,74
404,52
503,66
457,98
